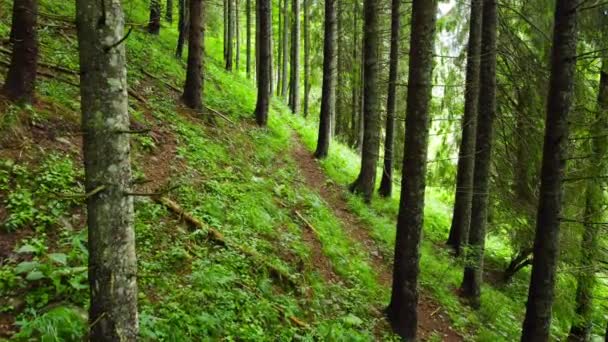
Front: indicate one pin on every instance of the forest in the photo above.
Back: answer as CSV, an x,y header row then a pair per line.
x,y
304,170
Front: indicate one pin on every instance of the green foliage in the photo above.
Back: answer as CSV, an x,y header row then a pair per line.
x,y
60,323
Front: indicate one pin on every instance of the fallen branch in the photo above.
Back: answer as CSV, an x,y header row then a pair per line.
x,y
308,224
220,114
218,238
169,85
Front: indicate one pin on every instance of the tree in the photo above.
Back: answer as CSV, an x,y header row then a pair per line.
x,y
105,123
238,34
546,243
193,87
328,95
461,217
294,81
365,182
248,9
285,48
230,35
404,296
169,11
386,184
183,26
264,70
154,22
306,57
473,271
20,82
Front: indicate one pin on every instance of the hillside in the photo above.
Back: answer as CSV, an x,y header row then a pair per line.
x,y
241,234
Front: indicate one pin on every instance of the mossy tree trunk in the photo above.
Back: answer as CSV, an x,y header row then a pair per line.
x,y
20,82
546,243
402,310
193,87
105,121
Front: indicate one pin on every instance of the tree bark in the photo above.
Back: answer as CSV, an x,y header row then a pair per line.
x,y
238,35
294,82
546,243
20,82
230,36
594,201
307,57
105,116
183,24
328,95
461,218
386,184
248,38
193,87
365,182
169,11
285,45
473,271
154,22
264,62
402,311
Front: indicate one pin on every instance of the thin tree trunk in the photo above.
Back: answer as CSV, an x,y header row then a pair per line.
x,y
365,182
461,218
238,34
193,87
328,95
354,133
306,57
105,116
595,199
473,271
264,62
248,38
182,27
285,44
226,24
20,82
546,243
280,49
155,13
169,11
402,311
294,82
386,184
230,36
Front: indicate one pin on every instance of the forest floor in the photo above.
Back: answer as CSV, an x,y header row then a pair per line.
x,y
431,318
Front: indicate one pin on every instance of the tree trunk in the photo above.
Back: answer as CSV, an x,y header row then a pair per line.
x,y
473,270
307,57
105,118
404,297
264,62
238,34
193,87
169,11
328,95
594,202
230,36
386,184
461,217
20,81
154,22
546,243
521,260
226,24
285,45
248,38
355,73
294,81
183,23
365,182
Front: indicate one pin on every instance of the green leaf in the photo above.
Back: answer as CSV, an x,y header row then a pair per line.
x,y
26,266
352,320
59,258
27,248
34,275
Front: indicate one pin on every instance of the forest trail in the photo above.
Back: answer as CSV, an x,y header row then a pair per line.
x,y
431,318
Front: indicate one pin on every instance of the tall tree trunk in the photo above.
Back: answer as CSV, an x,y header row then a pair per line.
x,y
20,82
473,271
238,34
328,95
594,202
294,81
280,49
355,73
105,119
183,24
248,38
169,11
386,184
155,13
404,299
461,218
193,87
285,45
226,24
306,57
546,243
365,182
264,62
230,36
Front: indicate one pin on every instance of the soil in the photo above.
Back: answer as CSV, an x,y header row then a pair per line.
x,y
431,319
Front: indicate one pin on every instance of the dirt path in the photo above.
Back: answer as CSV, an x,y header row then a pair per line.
x,y
431,319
